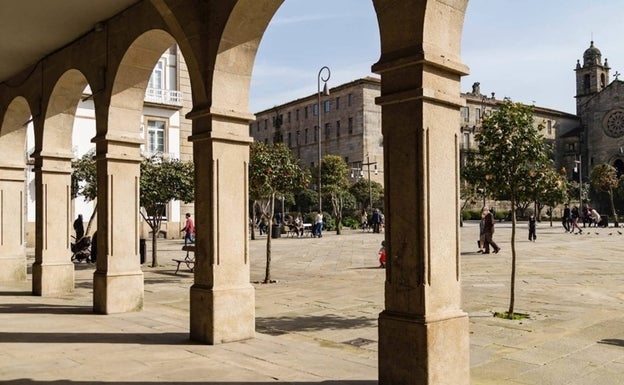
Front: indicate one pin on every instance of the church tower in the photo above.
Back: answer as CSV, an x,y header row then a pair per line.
x,y
592,77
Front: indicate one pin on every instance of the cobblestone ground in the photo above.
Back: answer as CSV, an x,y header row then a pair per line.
x,y
318,322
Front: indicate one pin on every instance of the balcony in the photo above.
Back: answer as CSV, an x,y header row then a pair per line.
x,y
164,97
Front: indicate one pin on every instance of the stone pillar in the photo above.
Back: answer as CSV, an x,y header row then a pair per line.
x,y
12,248
53,271
118,278
423,333
222,297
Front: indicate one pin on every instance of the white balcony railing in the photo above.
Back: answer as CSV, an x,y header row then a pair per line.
x,y
159,96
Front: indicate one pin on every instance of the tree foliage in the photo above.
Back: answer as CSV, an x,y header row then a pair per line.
x,y
604,179
514,161
334,172
273,170
360,191
163,180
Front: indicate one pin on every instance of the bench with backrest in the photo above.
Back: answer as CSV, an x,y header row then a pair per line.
x,y
188,260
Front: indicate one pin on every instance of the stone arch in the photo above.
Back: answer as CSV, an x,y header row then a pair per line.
x,y
130,81
61,111
13,131
12,190
52,159
118,140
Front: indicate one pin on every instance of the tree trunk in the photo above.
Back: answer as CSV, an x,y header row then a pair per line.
x,y
267,271
93,214
155,232
615,218
512,295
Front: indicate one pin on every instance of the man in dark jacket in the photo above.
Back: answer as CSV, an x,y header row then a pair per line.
x,y
488,231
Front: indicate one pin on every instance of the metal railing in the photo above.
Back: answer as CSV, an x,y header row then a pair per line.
x,y
160,96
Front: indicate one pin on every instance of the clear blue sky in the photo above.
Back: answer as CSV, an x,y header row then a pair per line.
x,y
526,50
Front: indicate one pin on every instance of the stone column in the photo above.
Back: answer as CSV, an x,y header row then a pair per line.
x,y
12,248
118,278
423,333
222,297
53,271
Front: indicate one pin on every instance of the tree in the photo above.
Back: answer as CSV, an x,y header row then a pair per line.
x,y
360,190
334,171
512,155
163,180
554,192
604,179
273,170
84,182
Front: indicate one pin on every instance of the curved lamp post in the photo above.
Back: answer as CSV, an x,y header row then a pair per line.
x,y
325,93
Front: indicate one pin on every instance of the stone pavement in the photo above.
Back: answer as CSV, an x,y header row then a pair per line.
x,y
318,323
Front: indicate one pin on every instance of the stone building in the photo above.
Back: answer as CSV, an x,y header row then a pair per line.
x,y
351,127
599,135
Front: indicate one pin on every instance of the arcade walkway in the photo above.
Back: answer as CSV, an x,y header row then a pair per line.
x,y
318,324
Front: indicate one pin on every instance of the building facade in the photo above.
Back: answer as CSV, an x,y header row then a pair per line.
x,y
598,137
350,121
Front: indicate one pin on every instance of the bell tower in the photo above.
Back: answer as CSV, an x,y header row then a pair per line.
x,y
591,77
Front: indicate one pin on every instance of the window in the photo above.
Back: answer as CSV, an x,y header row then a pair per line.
x,y
327,130
571,147
465,113
478,113
297,114
288,116
337,128
337,102
315,134
157,80
266,124
306,136
314,109
550,127
298,134
155,136
326,106
349,100
350,126
305,112
289,140
466,140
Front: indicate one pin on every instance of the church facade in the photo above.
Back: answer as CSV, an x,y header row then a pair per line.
x,y
599,136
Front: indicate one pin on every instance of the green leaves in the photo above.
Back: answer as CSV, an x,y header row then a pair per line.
x,y
513,158
163,180
274,170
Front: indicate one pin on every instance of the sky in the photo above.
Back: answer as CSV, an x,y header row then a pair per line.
x,y
525,50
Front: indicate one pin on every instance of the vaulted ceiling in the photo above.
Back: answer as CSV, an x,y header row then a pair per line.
x,y
32,29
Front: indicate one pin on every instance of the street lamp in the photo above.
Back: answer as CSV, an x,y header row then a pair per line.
x,y
370,191
357,173
325,93
578,163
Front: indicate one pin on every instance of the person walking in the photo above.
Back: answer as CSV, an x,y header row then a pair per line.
x,y
574,219
565,218
532,225
189,230
376,220
318,225
488,231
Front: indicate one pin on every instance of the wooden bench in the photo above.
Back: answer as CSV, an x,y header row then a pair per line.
x,y
188,260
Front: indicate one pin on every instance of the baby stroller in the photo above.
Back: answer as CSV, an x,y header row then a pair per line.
x,y
81,250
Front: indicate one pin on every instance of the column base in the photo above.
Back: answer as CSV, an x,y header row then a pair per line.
x,y
52,279
414,351
222,315
13,268
117,293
